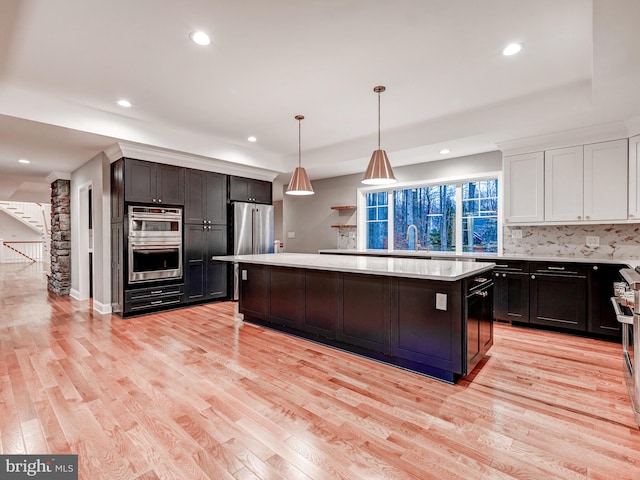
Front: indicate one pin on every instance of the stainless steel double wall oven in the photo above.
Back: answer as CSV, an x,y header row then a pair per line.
x,y
154,243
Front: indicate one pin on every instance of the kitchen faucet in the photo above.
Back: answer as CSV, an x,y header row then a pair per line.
x,y
416,244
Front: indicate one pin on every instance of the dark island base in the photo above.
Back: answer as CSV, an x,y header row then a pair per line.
x,y
416,367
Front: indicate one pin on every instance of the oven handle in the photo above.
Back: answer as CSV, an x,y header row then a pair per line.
x,y
161,217
155,247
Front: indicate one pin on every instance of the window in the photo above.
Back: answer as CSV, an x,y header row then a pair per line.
x,y
377,225
447,217
480,216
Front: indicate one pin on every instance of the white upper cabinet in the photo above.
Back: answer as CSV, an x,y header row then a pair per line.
x,y
563,180
605,181
524,188
634,178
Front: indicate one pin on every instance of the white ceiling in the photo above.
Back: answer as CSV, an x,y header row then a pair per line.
x,y
64,63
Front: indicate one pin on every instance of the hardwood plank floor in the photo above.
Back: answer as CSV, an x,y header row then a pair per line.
x,y
196,394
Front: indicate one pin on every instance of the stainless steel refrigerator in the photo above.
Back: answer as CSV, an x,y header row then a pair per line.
x,y
252,233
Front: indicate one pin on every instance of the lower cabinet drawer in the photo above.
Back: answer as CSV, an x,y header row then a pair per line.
x,y
150,298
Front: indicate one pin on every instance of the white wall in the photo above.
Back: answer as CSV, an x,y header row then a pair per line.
x,y
13,230
94,173
310,217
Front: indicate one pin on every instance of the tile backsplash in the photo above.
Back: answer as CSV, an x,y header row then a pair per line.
x,y
616,241
347,238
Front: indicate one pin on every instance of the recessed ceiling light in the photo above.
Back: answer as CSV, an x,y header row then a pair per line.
x,y
124,103
444,151
512,49
252,139
200,38
24,160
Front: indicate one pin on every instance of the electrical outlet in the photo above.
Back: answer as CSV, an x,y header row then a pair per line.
x,y
593,241
516,233
441,301
291,234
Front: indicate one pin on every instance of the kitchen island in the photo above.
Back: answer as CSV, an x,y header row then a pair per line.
x,y
430,316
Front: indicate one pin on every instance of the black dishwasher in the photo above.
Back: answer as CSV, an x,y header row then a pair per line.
x,y
557,295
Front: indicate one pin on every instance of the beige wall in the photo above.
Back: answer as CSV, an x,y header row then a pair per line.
x,y
310,217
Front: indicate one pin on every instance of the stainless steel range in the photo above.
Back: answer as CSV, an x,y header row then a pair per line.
x,y
628,314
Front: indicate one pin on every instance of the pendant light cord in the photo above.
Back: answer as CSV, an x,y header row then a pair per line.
x,y
299,148
378,120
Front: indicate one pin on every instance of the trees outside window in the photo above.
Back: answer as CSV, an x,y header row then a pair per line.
x,y
435,217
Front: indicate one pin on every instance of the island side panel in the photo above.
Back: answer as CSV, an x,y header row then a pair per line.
x,y
254,291
423,333
365,316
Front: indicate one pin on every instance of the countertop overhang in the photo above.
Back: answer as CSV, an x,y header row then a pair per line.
x,y
479,256
426,269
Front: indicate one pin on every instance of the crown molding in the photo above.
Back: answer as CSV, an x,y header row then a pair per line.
x,y
568,138
180,159
633,126
53,176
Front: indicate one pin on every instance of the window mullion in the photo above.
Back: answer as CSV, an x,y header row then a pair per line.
x,y
459,213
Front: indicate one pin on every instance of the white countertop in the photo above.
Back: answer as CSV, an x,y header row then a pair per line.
x,y
444,270
481,256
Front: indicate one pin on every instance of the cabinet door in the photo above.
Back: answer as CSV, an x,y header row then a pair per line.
x,y
216,198
195,241
287,296
524,188
195,197
261,191
558,301
634,178
139,181
169,184
217,279
563,185
117,192
365,317
322,290
239,189
605,180
117,267
511,296
601,316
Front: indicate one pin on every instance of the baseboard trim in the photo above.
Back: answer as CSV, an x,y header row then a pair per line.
x,y
75,294
104,308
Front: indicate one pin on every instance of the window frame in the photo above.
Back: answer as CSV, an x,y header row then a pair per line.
x,y
361,218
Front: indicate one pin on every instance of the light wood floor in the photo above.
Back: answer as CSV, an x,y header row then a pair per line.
x,y
195,394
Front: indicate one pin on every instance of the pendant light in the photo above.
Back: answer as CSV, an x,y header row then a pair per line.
x,y
299,184
379,171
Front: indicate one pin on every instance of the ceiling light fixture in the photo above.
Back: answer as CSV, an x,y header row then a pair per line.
x,y
24,160
379,171
444,151
200,38
299,184
512,49
124,103
252,139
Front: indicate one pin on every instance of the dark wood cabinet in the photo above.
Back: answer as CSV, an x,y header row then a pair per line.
x,y
205,198
479,314
148,182
323,296
365,319
557,295
153,298
287,296
511,291
421,332
117,191
254,291
117,267
205,278
601,318
249,190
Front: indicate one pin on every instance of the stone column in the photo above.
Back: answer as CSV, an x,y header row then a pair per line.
x,y
60,278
